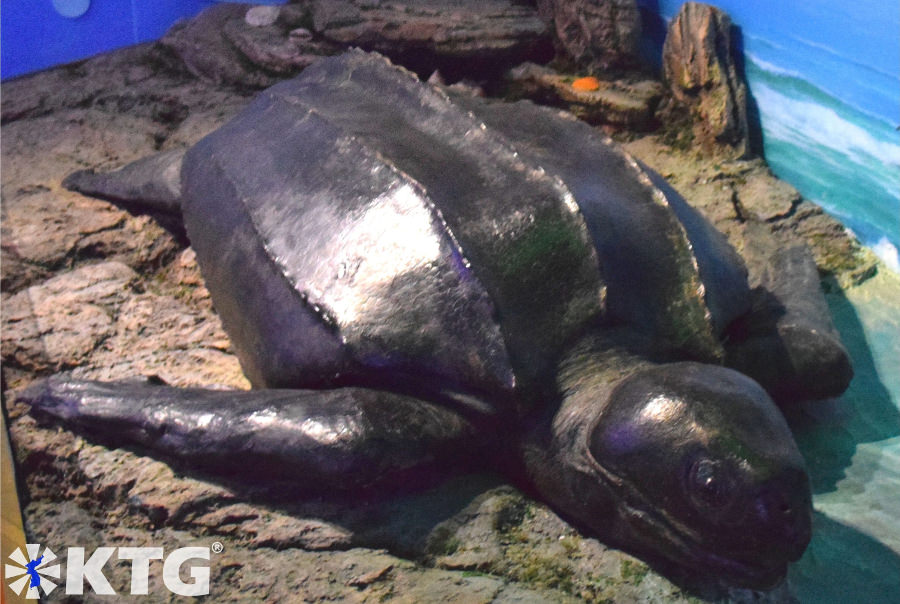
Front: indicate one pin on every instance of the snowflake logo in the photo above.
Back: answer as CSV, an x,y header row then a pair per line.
x,y
35,569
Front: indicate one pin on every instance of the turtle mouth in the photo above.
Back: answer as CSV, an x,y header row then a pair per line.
x,y
662,537
746,574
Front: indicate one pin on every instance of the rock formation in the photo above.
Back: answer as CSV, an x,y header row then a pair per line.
x,y
699,68
237,45
458,37
253,47
603,33
619,104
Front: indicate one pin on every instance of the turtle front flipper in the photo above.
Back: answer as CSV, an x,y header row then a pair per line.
x,y
344,439
152,183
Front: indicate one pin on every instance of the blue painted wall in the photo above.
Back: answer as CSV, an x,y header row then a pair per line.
x,y
35,36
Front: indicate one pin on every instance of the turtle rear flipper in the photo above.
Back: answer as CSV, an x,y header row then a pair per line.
x,y
345,439
788,342
151,184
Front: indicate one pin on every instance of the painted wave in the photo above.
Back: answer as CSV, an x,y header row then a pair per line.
x,y
844,159
856,81
826,79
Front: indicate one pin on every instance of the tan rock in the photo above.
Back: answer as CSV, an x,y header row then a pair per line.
x,y
460,38
597,32
59,323
619,103
700,70
262,15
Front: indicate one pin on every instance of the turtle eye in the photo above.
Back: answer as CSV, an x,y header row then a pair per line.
x,y
709,484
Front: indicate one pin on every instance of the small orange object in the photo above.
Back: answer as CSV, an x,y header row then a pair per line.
x,y
587,84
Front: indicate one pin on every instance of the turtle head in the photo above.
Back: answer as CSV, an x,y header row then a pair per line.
x,y
693,465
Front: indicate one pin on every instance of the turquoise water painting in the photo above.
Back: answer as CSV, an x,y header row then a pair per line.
x,y
837,153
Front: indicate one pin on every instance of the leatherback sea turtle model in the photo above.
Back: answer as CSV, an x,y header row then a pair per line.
x,y
412,279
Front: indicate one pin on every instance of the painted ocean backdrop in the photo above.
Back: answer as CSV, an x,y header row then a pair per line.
x,y
825,77
842,154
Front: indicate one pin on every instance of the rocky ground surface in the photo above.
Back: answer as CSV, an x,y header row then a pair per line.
x,y
90,288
